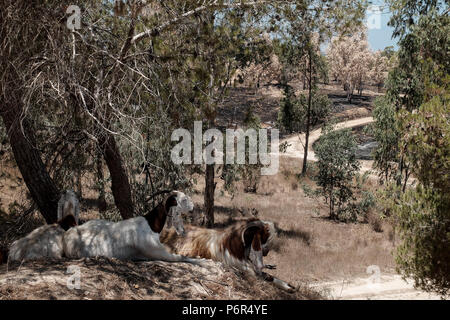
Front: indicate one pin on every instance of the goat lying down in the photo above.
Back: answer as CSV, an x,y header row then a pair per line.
x,y
134,239
241,245
47,240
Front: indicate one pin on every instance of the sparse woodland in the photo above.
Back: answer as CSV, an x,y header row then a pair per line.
x,y
93,108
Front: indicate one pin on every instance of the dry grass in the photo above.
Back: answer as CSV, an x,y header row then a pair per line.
x,y
310,247
114,279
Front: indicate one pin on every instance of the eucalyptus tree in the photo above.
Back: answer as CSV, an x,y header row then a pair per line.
x,y
305,29
119,83
418,94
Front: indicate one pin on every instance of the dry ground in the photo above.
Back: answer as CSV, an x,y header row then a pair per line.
x,y
387,287
266,103
310,249
113,279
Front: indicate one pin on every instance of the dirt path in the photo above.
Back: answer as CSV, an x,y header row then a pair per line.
x,y
296,142
387,287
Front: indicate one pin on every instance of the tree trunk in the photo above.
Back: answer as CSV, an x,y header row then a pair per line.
x,y
350,96
332,215
400,172
406,180
308,118
304,79
41,186
210,187
102,205
79,184
120,186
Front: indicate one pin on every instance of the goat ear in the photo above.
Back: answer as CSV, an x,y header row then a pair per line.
x,y
250,230
256,242
171,201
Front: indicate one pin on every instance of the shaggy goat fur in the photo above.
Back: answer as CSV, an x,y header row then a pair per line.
x,y
47,240
232,245
135,239
241,245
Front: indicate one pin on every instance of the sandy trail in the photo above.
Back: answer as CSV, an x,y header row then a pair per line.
x,y
296,142
385,287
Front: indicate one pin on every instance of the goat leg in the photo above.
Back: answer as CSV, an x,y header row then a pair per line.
x,y
278,283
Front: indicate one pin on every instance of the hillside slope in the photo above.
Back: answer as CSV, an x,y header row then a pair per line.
x,y
113,279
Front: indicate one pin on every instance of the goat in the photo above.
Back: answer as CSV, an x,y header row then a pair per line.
x,y
46,241
241,245
134,239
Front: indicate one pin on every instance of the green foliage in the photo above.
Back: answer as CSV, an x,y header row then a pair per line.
x,y
386,134
418,89
421,50
293,113
406,13
423,217
388,52
320,108
289,115
251,173
426,135
423,214
337,167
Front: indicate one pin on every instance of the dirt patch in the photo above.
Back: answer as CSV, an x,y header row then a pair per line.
x,y
266,100
114,279
384,287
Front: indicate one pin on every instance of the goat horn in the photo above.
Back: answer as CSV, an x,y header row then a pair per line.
x,y
252,224
157,194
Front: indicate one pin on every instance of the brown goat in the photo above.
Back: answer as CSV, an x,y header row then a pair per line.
x,y
241,245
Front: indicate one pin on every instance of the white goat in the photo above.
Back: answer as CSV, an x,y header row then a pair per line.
x,y
47,240
135,239
241,245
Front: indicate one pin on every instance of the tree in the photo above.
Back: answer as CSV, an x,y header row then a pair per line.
x,y
299,114
301,46
14,59
251,173
406,13
297,16
289,117
337,166
385,132
349,58
120,84
388,52
418,87
423,213
293,112
378,69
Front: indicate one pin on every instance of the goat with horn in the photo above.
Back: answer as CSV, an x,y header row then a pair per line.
x,y
241,245
134,239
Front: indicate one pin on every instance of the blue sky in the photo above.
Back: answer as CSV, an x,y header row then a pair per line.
x,y
380,38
